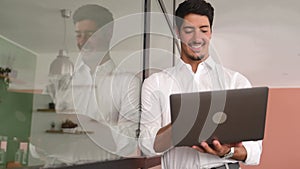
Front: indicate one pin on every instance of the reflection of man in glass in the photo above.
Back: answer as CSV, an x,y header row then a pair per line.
x,y
87,20
93,27
105,99
102,92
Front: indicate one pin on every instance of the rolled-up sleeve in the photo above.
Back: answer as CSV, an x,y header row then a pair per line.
x,y
254,150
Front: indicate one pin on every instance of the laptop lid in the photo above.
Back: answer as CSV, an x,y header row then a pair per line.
x,y
230,116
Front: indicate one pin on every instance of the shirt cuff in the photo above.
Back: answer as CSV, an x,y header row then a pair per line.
x,y
254,149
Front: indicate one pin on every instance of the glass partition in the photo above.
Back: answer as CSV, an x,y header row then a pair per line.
x,y
97,105
89,114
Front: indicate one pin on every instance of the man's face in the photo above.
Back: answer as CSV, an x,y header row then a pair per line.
x,y
195,34
84,30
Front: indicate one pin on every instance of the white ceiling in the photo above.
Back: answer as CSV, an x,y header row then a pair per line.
x,y
258,38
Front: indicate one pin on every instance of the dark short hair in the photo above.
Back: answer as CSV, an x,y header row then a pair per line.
x,y
200,7
100,15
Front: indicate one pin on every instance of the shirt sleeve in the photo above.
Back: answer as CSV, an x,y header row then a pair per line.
x,y
151,120
128,116
254,150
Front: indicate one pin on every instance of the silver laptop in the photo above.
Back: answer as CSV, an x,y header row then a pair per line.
x,y
230,116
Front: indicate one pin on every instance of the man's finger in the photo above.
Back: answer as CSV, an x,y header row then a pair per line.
x,y
198,149
207,148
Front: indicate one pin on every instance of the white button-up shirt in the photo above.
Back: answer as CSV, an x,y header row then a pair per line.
x,y
106,103
109,95
156,110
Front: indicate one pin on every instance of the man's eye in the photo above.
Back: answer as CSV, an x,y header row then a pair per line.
x,y
204,31
188,31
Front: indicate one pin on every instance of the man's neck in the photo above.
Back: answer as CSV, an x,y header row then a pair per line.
x,y
194,64
93,66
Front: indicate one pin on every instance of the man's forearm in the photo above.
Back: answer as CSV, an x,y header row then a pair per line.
x,y
163,139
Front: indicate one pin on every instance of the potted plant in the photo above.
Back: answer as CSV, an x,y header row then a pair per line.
x,y
4,81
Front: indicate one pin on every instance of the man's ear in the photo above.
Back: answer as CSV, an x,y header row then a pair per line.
x,y
210,34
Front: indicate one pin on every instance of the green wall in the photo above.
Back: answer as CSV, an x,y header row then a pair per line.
x,y
16,108
15,119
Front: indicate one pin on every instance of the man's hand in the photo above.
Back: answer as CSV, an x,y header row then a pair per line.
x,y
220,150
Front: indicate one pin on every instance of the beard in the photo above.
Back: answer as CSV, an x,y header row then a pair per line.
x,y
193,57
196,58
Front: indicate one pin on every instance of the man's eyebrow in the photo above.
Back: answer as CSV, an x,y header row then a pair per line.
x,y
204,26
189,27
85,31
192,27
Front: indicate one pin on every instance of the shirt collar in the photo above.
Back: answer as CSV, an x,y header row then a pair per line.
x,y
107,66
209,63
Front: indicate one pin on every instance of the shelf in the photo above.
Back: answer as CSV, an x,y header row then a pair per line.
x,y
33,91
53,110
46,110
62,132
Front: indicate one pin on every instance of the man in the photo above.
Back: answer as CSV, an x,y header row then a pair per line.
x,y
195,71
105,99
100,90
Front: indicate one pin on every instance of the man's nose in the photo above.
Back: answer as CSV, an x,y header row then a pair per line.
x,y
199,36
